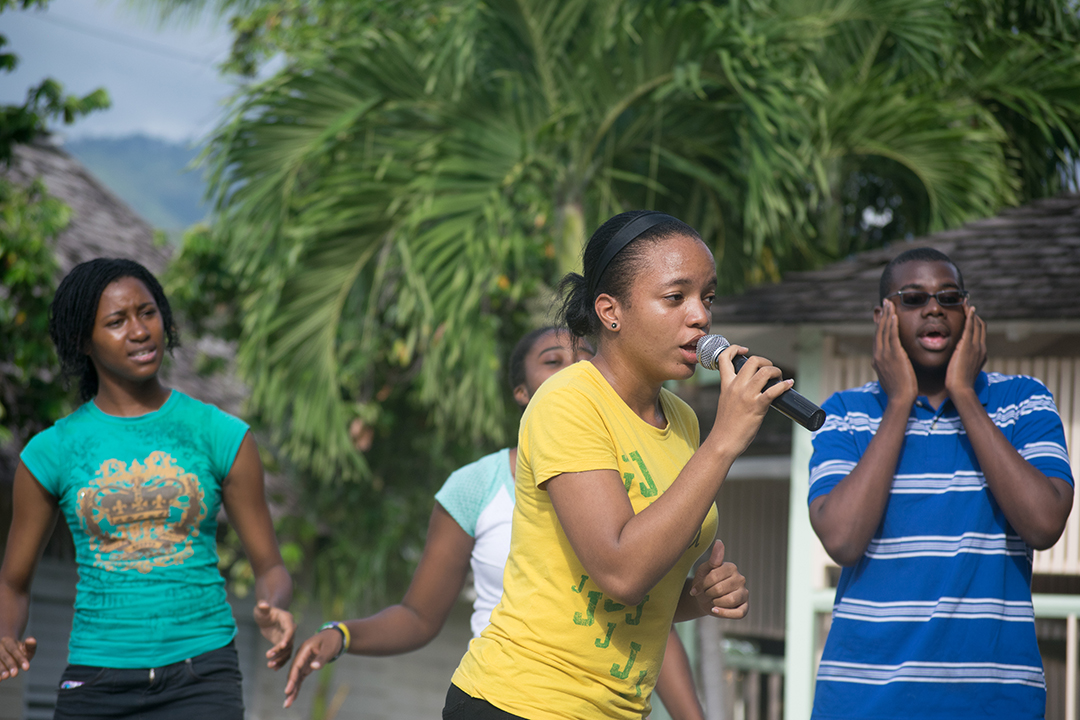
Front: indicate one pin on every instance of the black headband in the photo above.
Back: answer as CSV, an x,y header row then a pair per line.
x,y
626,235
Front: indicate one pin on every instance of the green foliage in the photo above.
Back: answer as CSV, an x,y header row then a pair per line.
x,y
300,31
30,393
200,287
348,544
44,102
31,396
395,205
939,113
393,212
389,211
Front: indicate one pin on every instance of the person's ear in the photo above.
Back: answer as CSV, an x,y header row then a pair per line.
x,y
879,311
608,310
521,395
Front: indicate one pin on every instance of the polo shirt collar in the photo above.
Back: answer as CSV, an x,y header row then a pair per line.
x,y
922,405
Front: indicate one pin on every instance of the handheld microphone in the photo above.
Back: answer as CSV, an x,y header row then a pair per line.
x,y
791,403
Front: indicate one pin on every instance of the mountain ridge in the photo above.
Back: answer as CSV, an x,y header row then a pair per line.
x,y
155,177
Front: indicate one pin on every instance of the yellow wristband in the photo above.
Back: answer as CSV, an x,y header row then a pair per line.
x,y
346,636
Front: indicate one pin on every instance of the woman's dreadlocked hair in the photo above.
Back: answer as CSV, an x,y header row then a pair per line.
x,y
74,309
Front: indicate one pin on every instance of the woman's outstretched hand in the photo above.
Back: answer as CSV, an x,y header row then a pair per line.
x,y
314,654
15,655
277,626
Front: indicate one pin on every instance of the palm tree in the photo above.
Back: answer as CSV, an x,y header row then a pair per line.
x,y
392,209
397,202
936,113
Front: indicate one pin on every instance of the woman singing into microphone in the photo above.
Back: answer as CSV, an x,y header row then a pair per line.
x,y
614,498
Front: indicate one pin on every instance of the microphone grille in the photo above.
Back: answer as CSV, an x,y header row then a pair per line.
x,y
709,348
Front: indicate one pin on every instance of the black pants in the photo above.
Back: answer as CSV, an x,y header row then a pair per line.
x,y
462,706
205,686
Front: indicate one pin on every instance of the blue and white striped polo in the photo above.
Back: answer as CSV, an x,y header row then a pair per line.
x,y
935,621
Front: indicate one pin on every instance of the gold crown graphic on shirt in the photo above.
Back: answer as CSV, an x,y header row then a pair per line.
x,y
149,500
143,515
143,492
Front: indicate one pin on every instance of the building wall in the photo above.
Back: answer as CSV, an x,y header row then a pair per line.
x,y
753,526
11,698
51,611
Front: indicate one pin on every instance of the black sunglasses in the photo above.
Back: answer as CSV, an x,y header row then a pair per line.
x,y
919,298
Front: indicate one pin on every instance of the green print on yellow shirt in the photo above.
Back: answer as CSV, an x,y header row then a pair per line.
x,y
594,597
610,606
637,685
625,672
602,644
636,619
647,488
588,618
553,619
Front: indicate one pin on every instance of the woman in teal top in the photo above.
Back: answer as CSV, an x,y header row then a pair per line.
x,y
140,472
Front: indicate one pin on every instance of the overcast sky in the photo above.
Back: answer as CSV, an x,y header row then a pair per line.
x,y
163,83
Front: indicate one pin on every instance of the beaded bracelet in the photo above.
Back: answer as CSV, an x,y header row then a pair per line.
x,y
346,637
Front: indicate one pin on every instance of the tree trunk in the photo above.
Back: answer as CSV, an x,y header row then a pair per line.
x,y
571,238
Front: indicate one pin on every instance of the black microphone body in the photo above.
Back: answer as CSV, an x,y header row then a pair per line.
x,y
790,403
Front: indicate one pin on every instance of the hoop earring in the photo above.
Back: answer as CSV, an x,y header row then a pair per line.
x,y
614,325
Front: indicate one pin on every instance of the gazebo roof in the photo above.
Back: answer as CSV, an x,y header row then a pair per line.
x,y
1023,264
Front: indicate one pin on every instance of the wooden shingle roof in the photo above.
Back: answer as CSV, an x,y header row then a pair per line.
x,y
1023,264
102,225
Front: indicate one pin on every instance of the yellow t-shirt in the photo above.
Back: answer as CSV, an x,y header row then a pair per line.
x,y
557,647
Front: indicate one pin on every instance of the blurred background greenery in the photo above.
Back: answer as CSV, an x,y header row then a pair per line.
x,y
398,185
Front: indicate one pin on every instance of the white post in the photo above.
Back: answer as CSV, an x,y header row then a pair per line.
x,y
713,679
799,619
1070,667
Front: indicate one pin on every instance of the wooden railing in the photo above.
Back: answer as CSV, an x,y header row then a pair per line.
x,y
757,694
750,688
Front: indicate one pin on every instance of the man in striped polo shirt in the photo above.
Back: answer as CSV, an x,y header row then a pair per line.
x,y
931,487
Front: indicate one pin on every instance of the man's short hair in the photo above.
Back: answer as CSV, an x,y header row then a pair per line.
x,y
921,254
